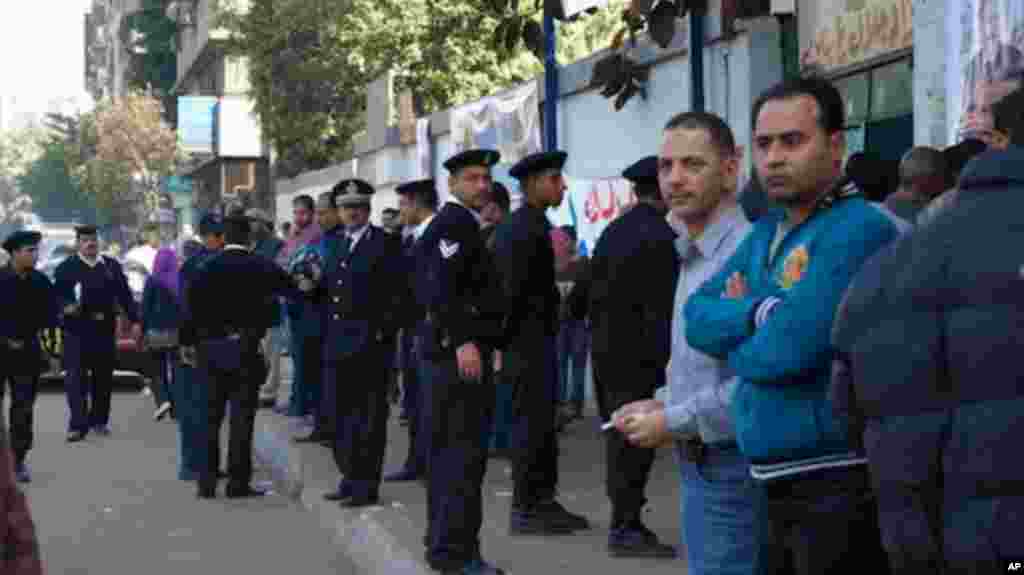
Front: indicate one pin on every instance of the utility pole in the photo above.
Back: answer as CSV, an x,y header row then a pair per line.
x,y
550,83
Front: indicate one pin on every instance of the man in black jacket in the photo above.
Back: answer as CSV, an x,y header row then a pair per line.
x,y
632,284
21,355
526,259
360,301
93,291
231,306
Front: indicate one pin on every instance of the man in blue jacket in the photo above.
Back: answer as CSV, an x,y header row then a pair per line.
x,y
769,312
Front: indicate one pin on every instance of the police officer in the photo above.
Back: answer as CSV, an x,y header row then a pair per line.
x,y
456,285
231,306
526,259
193,397
93,291
417,202
20,352
360,291
633,276
322,392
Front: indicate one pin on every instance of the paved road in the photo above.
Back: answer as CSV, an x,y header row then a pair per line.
x,y
112,506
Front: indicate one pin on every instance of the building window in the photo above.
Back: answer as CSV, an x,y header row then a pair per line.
x,y
879,109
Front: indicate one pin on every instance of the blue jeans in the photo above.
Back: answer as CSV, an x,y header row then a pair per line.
x,y
724,525
573,347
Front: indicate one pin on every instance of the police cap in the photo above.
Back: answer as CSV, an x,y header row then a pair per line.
x,y
643,175
211,223
85,230
21,239
353,192
538,163
477,157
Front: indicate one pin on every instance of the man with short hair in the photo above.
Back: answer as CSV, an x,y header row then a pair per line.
x,y
922,178
359,296
320,394
303,323
723,522
769,312
526,258
231,306
417,204
633,275
457,288
21,356
94,291
192,394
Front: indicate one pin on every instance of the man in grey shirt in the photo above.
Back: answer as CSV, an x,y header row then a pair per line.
x,y
722,523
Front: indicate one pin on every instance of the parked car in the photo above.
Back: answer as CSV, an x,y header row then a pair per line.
x,y
131,363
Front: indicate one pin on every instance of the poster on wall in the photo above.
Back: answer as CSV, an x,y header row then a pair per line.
x,y
590,205
985,62
508,122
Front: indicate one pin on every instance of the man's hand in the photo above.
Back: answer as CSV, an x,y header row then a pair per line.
x,y
497,361
306,285
647,429
736,287
634,408
468,358
70,309
15,345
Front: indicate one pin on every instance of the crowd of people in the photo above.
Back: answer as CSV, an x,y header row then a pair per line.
x,y
831,360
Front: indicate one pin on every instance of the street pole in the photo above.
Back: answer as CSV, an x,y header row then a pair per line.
x,y
550,84
697,58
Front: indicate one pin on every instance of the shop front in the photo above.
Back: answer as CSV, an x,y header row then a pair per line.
x,y
866,48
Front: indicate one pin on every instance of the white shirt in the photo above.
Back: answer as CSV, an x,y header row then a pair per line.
x,y
235,247
420,228
354,237
144,255
92,263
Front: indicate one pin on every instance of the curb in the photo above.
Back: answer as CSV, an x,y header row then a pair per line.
x,y
369,543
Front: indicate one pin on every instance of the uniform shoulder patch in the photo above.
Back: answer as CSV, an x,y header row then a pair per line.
x,y
448,249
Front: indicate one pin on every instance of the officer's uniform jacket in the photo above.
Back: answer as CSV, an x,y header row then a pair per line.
x,y
33,308
104,294
633,277
360,292
456,284
526,258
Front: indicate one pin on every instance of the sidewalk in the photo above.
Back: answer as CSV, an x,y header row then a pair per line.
x,y
388,538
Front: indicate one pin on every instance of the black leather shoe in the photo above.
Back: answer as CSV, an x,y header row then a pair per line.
x,y
637,541
357,502
343,492
475,567
207,492
245,493
75,436
554,511
267,402
402,475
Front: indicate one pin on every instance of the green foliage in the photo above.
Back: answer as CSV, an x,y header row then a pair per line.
x,y
311,60
154,60
55,194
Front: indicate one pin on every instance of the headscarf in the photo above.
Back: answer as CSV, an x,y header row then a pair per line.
x,y
165,269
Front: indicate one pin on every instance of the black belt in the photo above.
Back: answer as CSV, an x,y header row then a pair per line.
x,y
695,450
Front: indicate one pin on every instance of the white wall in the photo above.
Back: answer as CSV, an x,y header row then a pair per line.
x,y
602,142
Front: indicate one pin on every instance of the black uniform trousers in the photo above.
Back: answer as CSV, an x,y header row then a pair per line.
x,y
461,413
362,418
89,358
531,365
617,383
241,390
20,420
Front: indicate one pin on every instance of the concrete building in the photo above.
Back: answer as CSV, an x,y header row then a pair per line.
x,y
230,161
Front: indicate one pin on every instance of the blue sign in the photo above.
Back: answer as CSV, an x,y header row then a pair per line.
x,y
196,123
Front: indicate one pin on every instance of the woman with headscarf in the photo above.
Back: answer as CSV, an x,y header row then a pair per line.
x,y
161,313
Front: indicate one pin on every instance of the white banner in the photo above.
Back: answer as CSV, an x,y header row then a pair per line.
x,y
985,61
509,123
590,205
